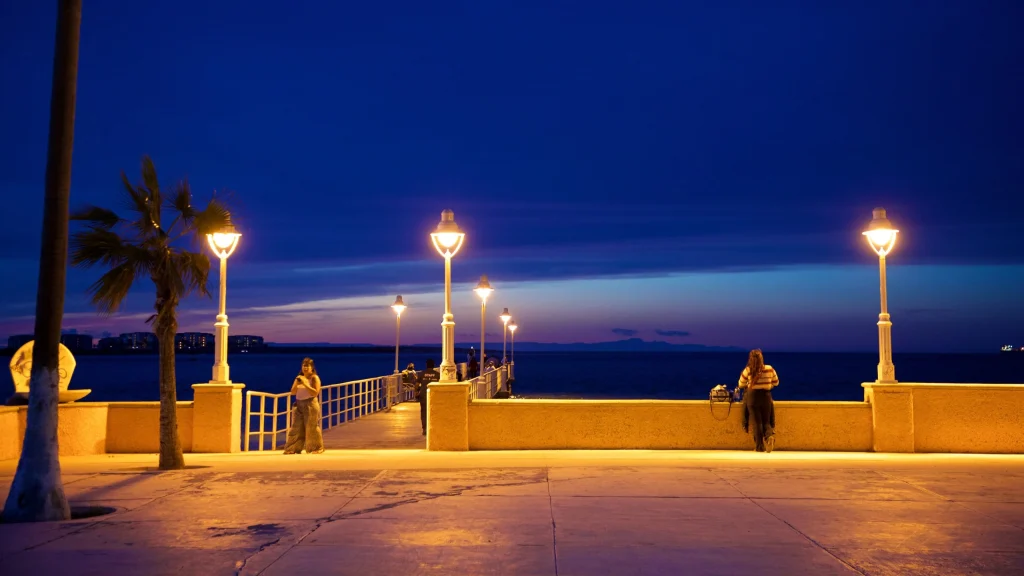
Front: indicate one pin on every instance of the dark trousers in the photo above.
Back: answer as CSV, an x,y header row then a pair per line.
x,y
761,410
746,413
423,412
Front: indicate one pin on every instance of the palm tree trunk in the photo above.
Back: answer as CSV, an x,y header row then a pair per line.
x,y
37,492
170,443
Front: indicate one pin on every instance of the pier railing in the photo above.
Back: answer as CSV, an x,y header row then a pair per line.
x,y
488,384
268,416
339,403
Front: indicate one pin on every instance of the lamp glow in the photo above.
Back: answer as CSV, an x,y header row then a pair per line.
x,y
398,306
483,288
223,243
448,237
880,233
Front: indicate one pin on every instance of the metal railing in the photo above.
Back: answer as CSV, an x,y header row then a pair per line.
x,y
488,384
339,403
344,402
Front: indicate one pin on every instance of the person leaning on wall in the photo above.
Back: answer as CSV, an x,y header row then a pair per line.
x,y
758,379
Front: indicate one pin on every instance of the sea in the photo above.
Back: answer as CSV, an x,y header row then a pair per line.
x,y
598,375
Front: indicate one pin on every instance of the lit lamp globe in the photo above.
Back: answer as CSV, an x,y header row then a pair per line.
x,y
447,237
398,306
224,242
483,288
881,234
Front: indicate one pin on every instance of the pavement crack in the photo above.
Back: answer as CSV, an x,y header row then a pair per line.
x,y
240,565
793,528
551,508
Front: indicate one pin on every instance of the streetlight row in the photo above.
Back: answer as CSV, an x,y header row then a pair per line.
x,y
448,239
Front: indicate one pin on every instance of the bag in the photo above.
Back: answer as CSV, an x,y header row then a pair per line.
x,y
720,394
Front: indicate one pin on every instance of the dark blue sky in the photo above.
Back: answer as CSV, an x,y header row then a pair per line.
x,y
700,167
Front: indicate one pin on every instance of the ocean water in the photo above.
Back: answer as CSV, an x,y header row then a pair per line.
x,y
626,375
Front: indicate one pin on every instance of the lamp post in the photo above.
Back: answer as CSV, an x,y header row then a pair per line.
x,y
512,362
483,290
447,239
505,317
882,238
398,307
223,244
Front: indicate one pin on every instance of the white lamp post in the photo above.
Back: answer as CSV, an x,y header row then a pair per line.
x,y
223,244
483,290
398,307
512,362
882,237
505,317
447,239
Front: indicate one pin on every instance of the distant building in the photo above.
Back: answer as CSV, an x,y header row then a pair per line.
x,y
245,343
76,342
193,342
139,341
110,343
15,342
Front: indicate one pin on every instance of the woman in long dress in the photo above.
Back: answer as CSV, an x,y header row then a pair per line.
x,y
759,379
305,432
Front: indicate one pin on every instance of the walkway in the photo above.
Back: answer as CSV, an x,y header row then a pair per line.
x,y
399,428
581,512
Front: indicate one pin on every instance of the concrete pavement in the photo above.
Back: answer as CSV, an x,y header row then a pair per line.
x,y
579,512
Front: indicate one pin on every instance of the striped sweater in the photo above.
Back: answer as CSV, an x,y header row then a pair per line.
x,y
766,380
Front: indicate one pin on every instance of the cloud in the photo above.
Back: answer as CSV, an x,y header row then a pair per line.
x,y
625,331
672,333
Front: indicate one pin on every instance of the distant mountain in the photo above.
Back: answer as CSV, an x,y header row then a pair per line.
x,y
628,345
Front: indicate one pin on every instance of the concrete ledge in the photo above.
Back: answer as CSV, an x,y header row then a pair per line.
x,y
660,424
931,417
135,427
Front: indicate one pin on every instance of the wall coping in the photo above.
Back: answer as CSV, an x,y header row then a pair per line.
x,y
665,403
212,386
941,386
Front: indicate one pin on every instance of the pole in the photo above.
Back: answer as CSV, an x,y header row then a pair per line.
x,y
504,339
886,370
221,371
483,332
448,327
398,333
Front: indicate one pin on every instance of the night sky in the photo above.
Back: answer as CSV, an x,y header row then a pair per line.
x,y
695,172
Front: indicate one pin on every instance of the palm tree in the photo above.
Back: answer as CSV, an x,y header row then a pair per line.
x,y
37,492
144,246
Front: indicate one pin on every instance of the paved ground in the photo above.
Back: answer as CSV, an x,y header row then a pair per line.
x,y
581,512
399,428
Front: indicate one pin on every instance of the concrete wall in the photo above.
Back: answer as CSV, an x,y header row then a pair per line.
x,y
85,428
134,427
658,424
924,417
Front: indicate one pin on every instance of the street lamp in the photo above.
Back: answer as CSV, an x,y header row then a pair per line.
x,y
483,290
512,328
223,244
882,238
398,307
505,317
447,239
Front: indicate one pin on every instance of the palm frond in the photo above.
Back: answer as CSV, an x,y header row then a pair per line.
x,y
96,245
194,270
112,288
97,217
137,200
213,218
181,202
152,184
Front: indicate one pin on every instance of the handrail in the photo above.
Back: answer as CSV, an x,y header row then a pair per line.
x,y
344,402
488,384
339,403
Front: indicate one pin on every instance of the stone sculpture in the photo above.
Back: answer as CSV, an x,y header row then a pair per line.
x,y
21,373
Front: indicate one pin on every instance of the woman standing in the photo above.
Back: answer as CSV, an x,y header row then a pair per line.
x,y
305,430
759,379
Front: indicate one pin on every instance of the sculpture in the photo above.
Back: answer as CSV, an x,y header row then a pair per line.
x,y
21,373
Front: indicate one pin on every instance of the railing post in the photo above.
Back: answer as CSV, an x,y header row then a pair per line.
x,y
245,441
